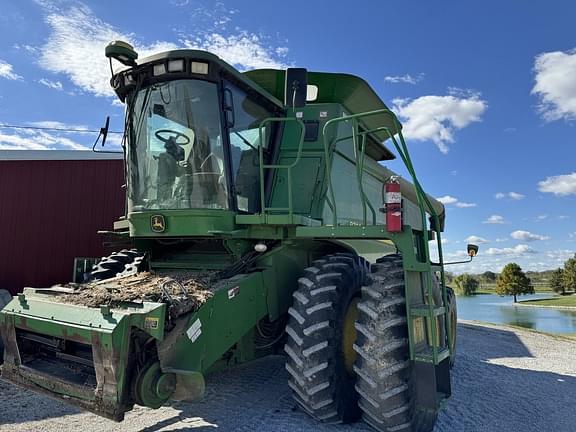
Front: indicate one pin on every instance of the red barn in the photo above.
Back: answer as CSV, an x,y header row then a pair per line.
x,y
52,203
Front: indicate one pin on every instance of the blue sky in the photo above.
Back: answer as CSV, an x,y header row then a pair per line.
x,y
486,92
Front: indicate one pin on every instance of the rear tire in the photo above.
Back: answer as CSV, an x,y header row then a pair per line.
x,y
322,384
5,298
387,394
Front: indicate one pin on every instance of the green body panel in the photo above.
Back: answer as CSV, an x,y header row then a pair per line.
x,y
200,339
183,223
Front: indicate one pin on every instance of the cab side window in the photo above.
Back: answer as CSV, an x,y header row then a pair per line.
x,y
244,118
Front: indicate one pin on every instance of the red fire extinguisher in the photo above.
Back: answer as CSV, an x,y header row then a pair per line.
x,y
393,205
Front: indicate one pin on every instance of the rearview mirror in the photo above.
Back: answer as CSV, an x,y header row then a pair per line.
x,y
472,250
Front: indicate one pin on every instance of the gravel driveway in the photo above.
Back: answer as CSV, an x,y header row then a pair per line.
x,y
504,380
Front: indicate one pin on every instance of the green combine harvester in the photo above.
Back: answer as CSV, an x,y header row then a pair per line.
x,y
262,221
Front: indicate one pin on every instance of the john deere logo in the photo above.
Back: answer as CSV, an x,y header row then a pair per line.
x,y
157,223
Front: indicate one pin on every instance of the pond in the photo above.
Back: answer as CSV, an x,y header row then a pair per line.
x,y
501,310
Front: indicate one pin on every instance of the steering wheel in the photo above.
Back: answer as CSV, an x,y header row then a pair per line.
x,y
173,135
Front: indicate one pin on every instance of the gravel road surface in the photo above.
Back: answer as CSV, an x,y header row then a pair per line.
x,y
505,379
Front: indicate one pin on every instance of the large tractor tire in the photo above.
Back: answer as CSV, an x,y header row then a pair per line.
x,y
321,333
116,264
5,298
453,323
387,393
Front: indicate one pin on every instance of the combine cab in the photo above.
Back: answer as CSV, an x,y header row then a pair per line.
x,y
263,220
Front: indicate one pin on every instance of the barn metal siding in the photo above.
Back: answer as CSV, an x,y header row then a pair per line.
x,y
50,212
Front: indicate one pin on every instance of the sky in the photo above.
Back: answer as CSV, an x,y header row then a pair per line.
x,y
486,92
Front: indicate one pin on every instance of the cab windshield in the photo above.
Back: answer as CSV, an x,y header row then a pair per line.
x,y
175,155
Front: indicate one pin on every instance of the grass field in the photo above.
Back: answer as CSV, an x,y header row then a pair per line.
x,y
564,301
486,288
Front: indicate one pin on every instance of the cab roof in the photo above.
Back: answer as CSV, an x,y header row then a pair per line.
x,y
352,92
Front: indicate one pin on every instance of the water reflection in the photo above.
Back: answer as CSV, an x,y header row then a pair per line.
x,y
501,310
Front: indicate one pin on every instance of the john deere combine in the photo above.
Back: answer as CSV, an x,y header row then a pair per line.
x,y
263,221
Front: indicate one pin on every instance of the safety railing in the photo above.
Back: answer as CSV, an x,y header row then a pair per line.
x,y
424,205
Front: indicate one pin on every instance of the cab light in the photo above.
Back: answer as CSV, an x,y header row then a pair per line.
x,y
159,69
199,68
176,66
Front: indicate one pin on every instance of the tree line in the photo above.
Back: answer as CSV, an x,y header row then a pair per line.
x,y
564,279
513,281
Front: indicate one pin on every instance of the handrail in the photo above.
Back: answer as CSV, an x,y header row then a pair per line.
x,y
331,200
288,168
422,198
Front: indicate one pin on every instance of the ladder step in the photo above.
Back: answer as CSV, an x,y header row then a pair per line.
x,y
427,355
424,310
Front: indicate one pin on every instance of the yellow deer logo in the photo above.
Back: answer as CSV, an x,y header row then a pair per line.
x,y
157,223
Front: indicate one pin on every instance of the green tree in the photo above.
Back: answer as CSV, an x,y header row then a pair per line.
x,y
513,281
557,282
466,284
569,274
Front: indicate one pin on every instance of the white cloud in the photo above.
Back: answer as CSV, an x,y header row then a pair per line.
x,y
436,118
517,250
495,219
512,195
59,125
555,76
406,78
542,217
448,200
558,257
75,47
243,50
476,239
465,205
559,185
527,236
56,85
7,71
33,139
516,196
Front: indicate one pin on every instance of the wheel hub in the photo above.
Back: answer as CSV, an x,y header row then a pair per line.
x,y
349,335
153,387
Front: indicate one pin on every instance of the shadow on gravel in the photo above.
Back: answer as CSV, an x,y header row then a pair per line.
x,y
487,397
20,406
490,397
250,397
490,343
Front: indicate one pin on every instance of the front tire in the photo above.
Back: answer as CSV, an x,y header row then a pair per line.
x,y
320,367
387,393
116,264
